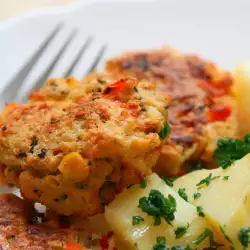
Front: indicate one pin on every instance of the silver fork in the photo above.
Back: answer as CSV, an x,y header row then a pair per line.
x,y
10,91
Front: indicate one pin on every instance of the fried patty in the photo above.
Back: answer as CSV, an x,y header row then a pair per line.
x,y
74,145
202,107
17,231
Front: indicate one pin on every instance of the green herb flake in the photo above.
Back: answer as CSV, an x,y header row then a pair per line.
x,y
207,233
225,236
206,181
129,186
137,220
64,197
169,181
229,150
165,131
182,193
200,212
180,231
158,206
244,237
198,166
196,195
54,121
143,183
225,178
160,243
157,220
135,245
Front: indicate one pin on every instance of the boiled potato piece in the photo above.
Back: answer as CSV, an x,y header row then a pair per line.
x,y
242,93
225,201
143,236
190,180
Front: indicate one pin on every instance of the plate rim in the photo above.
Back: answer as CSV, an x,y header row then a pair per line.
x,y
61,9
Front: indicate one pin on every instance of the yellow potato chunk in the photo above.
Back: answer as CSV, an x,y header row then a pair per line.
x,y
190,180
119,215
242,93
225,200
74,167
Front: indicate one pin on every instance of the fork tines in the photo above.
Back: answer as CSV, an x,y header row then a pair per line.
x,y
11,89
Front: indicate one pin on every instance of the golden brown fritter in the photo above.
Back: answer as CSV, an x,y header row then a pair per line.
x,y
201,107
18,233
74,154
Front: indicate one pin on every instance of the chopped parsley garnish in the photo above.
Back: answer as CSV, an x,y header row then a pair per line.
x,y
158,206
183,194
200,212
161,243
135,245
180,231
43,153
197,167
244,237
169,181
129,186
206,181
196,195
143,183
207,233
225,178
165,131
229,150
137,220
225,236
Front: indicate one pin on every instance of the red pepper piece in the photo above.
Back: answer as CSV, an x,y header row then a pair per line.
x,y
104,242
74,246
219,113
117,87
212,90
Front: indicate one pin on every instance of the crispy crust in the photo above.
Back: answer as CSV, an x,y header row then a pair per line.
x,y
17,231
113,132
193,136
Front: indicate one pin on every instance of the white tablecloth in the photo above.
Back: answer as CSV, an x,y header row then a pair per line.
x,y
10,8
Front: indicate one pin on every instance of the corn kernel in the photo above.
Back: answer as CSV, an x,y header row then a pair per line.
x,y
74,167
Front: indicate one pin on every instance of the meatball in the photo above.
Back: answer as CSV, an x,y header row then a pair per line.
x,y
202,107
73,151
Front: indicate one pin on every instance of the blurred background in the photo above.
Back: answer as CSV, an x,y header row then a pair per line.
x,y
10,8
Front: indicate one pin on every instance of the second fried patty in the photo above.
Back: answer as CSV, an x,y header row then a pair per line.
x,y
17,232
202,106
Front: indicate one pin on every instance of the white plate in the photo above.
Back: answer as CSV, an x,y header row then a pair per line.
x,y
216,29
